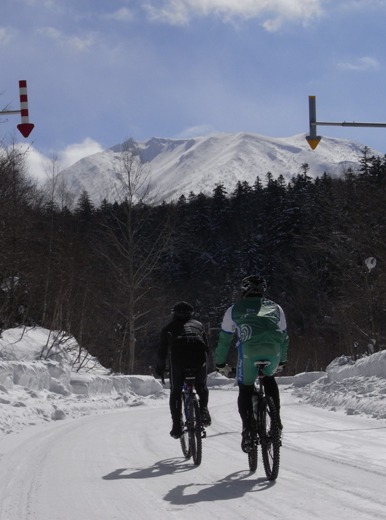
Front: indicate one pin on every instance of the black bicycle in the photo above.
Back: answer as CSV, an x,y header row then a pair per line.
x,y
193,430
265,429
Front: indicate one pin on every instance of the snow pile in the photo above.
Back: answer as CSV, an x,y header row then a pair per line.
x,y
354,387
47,377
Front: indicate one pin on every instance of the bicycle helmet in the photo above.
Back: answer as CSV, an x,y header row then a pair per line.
x,y
253,285
182,310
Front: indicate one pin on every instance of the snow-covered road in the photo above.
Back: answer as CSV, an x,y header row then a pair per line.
x,y
123,465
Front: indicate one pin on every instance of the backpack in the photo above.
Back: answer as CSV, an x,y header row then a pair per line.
x,y
188,345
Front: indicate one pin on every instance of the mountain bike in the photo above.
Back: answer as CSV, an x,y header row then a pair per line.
x,y
193,430
265,428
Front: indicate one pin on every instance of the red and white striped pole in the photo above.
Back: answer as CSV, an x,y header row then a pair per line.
x,y
25,127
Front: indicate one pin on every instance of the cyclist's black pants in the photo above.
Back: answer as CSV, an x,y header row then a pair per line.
x,y
177,376
245,398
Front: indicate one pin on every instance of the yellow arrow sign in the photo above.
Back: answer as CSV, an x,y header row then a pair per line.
x,y
313,141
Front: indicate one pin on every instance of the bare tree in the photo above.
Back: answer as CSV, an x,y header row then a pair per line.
x,y
136,241
56,198
55,188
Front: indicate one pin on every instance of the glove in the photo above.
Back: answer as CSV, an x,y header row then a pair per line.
x,y
223,369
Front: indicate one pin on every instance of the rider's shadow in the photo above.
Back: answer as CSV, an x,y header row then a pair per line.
x,y
159,469
233,486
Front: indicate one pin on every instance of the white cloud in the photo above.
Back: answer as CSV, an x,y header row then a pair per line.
x,y
81,44
6,35
360,5
196,131
274,12
38,165
121,15
78,43
74,152
360,65
46,3
41,167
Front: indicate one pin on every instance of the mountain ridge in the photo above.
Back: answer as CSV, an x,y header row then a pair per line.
x,y
178,167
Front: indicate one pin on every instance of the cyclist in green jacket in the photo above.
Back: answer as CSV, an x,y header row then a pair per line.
x,y
261,333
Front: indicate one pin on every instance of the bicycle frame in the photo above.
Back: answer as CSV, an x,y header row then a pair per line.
x,y
258,400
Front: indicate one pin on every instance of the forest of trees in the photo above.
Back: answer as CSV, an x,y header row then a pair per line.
x,y
109,275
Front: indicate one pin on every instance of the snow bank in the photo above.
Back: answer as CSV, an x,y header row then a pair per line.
x,y
355,387
87,384
45,376
30,375
23,363
140,385
301,379
343,367
6,375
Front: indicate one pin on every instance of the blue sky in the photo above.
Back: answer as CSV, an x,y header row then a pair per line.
x,y
101,71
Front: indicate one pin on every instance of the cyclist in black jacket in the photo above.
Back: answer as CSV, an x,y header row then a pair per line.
x,y
185,341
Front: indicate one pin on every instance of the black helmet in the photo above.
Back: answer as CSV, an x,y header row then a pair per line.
x,y
253,285
182,310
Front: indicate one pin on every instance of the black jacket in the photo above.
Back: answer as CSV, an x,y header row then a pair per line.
x,y
186,343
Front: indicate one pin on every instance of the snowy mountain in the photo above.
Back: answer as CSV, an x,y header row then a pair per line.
x,y
181,166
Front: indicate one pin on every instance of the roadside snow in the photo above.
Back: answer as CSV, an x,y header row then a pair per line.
x,y
353,387
47,377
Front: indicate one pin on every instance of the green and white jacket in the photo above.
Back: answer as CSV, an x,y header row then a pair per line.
x,y
261,329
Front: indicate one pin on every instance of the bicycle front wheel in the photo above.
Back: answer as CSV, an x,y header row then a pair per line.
x,y
270,439
194,428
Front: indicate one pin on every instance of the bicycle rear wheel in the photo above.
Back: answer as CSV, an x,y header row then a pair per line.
x,y
184,439
253,454
195,439
270,439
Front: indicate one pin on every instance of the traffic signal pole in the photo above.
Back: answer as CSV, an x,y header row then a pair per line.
x,y
25,127
313,139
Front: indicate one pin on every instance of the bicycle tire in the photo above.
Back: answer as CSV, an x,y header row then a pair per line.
x,y
270,438
252,457
195,439
253,454
184,439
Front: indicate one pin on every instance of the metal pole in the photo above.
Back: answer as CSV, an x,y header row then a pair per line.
x,y
312,113
313,139
375,125
9,111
